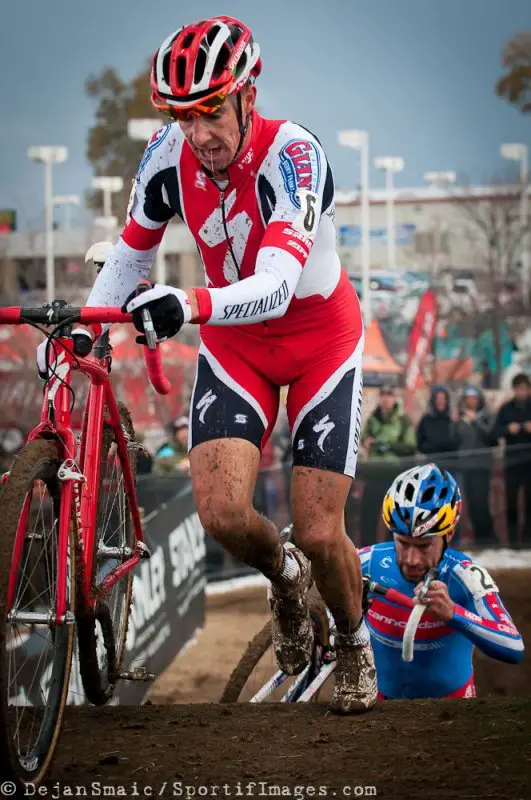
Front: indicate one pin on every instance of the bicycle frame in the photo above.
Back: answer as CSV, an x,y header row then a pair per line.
x,y
81,478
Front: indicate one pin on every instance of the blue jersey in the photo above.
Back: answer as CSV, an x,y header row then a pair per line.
x,y
442,663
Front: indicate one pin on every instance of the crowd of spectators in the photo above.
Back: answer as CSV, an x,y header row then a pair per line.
x,y
469,431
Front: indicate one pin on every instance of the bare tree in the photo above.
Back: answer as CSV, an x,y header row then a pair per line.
x,y
493,227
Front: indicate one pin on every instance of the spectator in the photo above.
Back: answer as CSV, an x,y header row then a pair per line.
x,y
437,432
513,424
173,455
475,431
144,459
389,433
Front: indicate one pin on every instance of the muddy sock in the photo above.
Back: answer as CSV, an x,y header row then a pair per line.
x,y
355,637
290,568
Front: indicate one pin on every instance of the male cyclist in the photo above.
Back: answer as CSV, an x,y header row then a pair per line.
x,y
421,509
258,197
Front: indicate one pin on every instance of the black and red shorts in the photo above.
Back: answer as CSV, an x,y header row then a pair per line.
x,y
241,371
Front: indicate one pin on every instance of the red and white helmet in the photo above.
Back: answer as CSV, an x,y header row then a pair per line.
x,y
205,60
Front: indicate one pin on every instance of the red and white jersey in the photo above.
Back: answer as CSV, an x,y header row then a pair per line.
x,y
266,236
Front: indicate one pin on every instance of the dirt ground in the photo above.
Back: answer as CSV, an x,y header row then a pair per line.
x,y
420,749
182,744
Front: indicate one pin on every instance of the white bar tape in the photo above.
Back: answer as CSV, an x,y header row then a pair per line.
x,y
410,631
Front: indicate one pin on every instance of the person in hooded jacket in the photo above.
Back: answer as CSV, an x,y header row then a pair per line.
x,y
513,423
387,437
475,431
437,432
389,433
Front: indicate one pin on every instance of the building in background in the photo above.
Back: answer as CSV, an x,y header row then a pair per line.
x,y
435,228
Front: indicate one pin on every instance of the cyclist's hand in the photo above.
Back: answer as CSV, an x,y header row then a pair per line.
x,y
437,600
82,347
41,359
169,308
98,253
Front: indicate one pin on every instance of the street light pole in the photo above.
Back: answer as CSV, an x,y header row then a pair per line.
x,y
108,185
48,226
48,156
359,140
390,165
519,152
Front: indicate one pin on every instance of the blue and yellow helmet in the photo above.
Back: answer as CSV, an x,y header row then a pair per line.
x,y
422,501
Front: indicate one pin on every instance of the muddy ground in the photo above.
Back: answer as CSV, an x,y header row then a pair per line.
x,y
182,744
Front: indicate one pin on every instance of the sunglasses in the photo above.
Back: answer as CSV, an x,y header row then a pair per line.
x,y
206,107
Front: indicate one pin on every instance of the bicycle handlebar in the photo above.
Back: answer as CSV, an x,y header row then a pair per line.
x,y
157,378
401,599
391,594
57,313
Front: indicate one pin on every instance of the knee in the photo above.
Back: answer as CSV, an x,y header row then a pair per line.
x,y
317,539
222,518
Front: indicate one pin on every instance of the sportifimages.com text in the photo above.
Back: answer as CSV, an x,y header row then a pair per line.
x,y
189,791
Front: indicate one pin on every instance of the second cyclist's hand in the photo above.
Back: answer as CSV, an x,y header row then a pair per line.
x,y
169,308
437,600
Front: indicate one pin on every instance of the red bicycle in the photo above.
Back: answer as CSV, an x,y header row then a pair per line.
x,y
71,537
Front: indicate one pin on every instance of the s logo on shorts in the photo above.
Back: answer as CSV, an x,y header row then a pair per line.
x,y
300,165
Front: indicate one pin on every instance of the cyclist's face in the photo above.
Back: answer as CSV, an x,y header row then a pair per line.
x,y
387,402
214,138
416,556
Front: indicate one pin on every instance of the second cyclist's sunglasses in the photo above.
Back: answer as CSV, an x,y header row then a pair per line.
x,y
206,107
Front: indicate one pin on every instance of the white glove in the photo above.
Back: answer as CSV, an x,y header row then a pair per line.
x,y
82,346
159,292
169,308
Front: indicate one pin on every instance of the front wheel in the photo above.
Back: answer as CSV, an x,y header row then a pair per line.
x,y
35,648
103,632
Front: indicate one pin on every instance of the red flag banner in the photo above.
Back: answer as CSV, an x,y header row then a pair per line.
x,y
420,343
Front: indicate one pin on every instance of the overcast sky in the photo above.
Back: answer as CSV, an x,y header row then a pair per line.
x,y
419,75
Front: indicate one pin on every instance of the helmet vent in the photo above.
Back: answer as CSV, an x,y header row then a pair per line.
x,y
181,70
188,40
211,35
403,513
166,66
428,494
241,65
200,65
221,61
235,33
409,492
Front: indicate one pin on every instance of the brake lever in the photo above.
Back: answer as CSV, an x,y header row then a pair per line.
x,y
147,321
431,575
149,329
